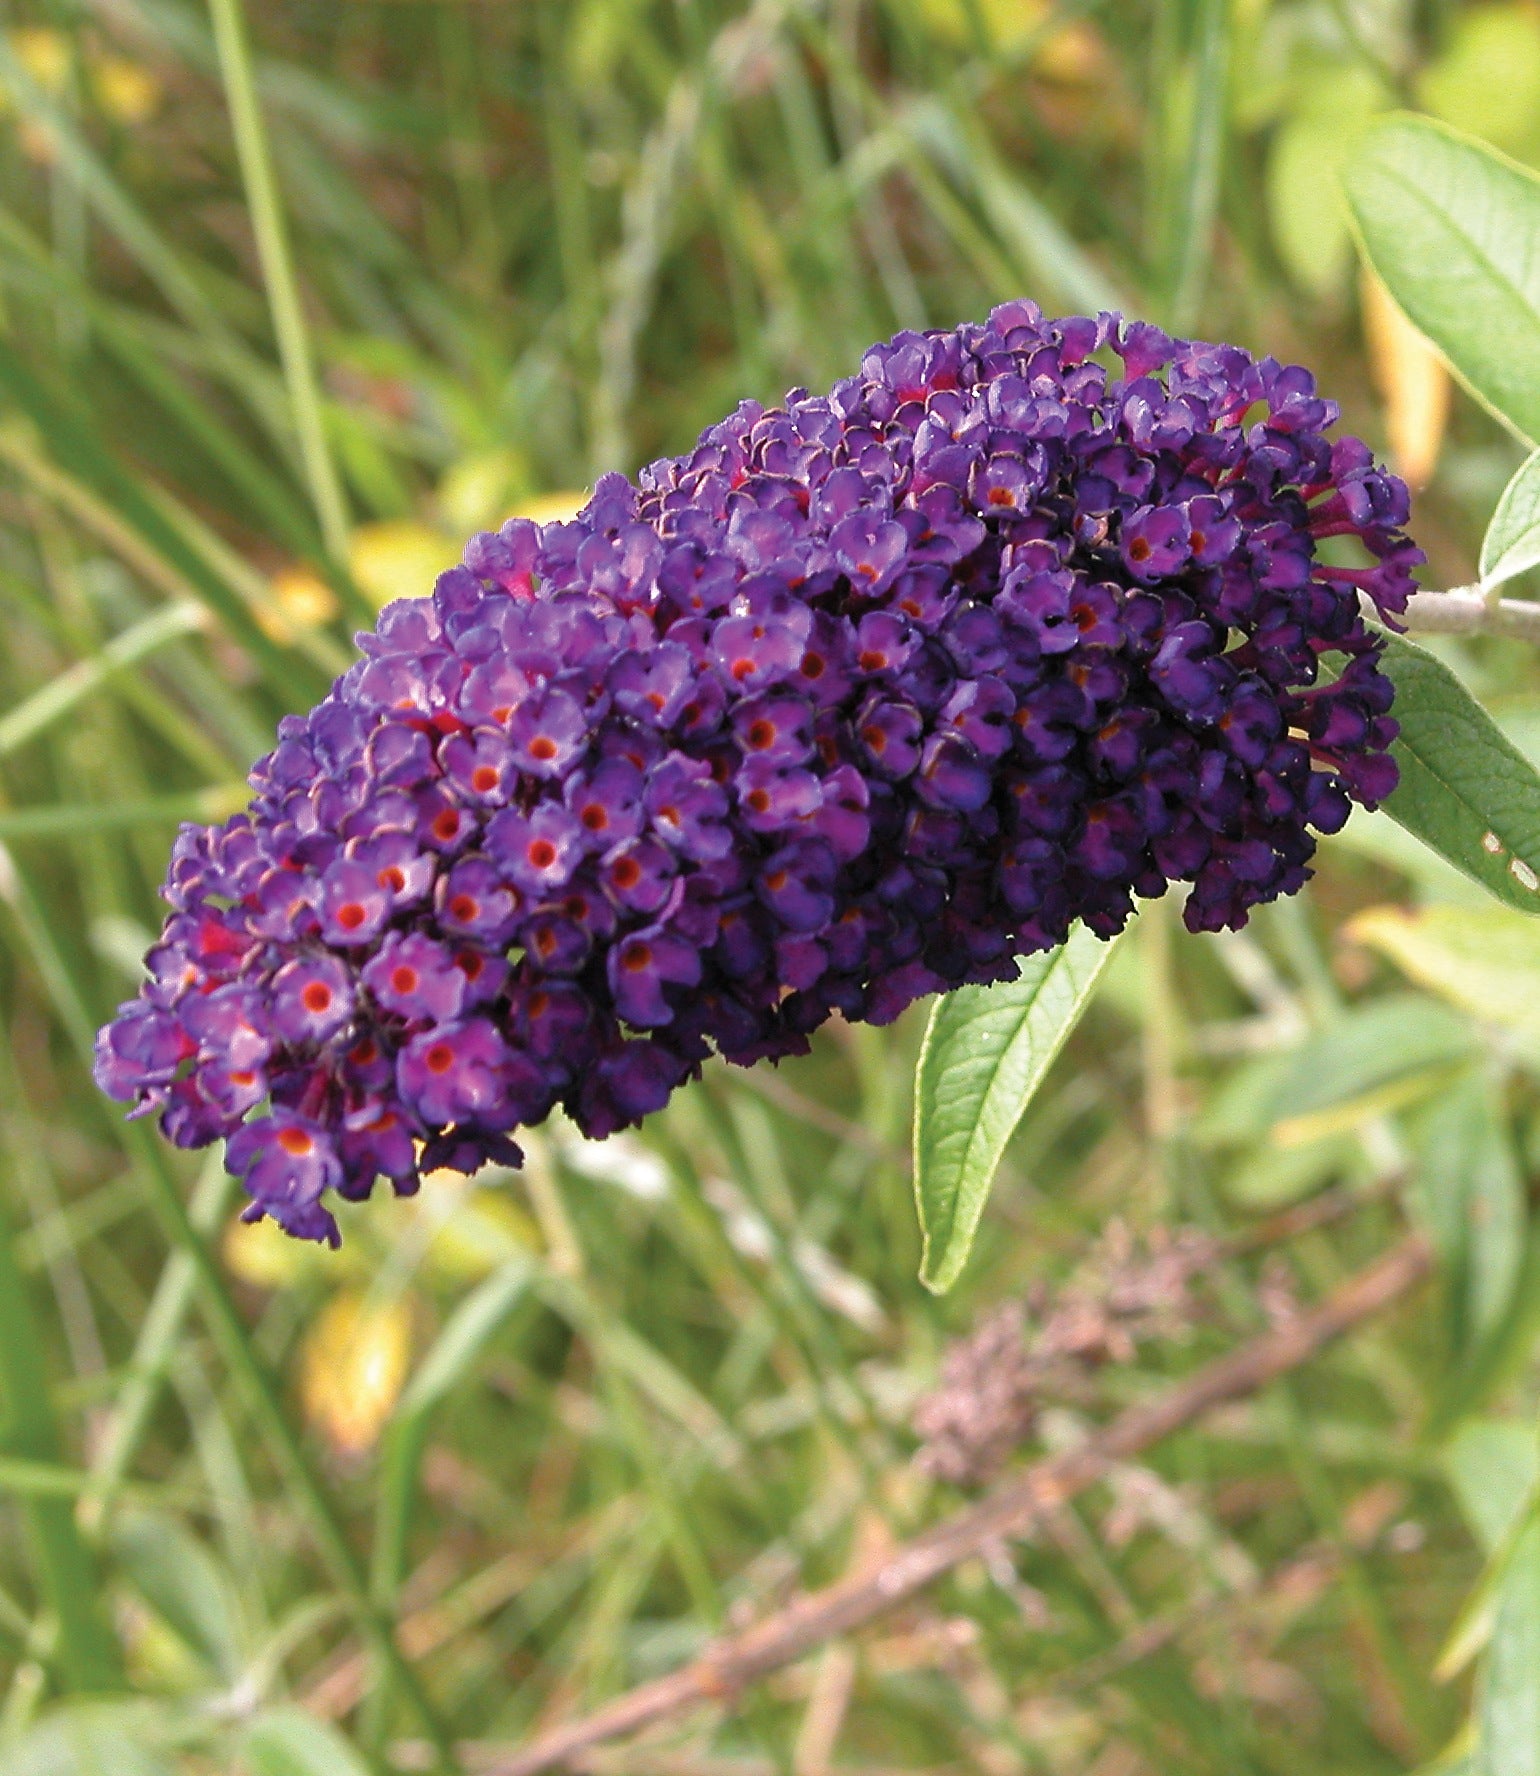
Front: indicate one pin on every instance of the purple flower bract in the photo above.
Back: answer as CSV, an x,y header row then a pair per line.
x,y
861,699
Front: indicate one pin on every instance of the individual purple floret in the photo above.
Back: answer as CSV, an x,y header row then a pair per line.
x,y
863,698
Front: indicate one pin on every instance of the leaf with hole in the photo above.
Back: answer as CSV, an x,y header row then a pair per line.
x,y
1466,790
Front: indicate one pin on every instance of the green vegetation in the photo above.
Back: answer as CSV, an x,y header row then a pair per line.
x,y
295,296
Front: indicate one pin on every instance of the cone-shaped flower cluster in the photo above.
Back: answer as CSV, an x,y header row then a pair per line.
x,y
859,700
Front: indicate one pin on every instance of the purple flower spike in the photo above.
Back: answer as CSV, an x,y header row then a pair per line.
x,y
860,699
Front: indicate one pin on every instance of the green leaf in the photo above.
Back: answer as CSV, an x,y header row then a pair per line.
x,y
1469,1196
473,1324
1485,960
1493,1465
1509,1705
1309,152
1511,545
985,1053
1362,1050
65,1568
1366,1047
286,1742
97,1739
187,1589
1449,225
1466,790
1497,1362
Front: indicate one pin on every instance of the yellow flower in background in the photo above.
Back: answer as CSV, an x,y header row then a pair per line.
x,y
551,508
44,53
301,600
1070,51
399,558
262,1255
480,491
402,557
1412,380
353,1365
127,91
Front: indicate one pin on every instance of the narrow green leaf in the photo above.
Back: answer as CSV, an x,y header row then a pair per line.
x,y
1485,960
69,819
1511,545
1194,106
98,1739
1039,246
1450,225
54,700
180,1580
1509,1706
1469,1196
66,1570
1493,1465
1501,1356
469,1329
287,1742
1366,1047
267,220
75,446
1466,790
985,1053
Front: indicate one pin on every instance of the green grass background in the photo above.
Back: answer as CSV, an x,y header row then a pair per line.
x,y
291,301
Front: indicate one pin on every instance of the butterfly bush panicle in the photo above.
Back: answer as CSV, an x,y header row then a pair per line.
x,y
863,698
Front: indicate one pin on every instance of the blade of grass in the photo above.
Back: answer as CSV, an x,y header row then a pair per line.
x,y
66,1571
228,1329
267,221
67,820
154,1349
96,489
54,700
1195,95
184,734
120,333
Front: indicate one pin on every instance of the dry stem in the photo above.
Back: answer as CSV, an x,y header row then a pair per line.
x,y
1466,610
1009,1510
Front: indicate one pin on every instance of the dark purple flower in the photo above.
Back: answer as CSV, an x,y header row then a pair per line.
x,y
415,978
312,998
457,1073
538,851
857,700
641,965
288,1163
473,901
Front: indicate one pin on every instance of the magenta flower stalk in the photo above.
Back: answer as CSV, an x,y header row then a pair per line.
x,y
863,698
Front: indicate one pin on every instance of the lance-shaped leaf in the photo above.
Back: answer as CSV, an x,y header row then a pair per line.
x,y
1450,224
1511,545
985,1053
1466,789
1509,1706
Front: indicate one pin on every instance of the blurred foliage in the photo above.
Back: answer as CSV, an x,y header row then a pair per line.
x,y
567,1424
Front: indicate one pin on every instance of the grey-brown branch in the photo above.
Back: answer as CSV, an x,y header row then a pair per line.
x,y
1011,1509
1467,610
